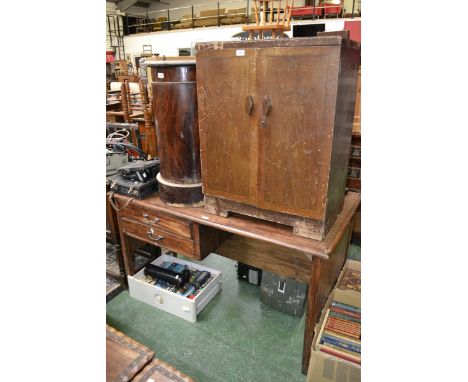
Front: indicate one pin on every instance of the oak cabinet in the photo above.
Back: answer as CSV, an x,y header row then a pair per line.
x,y
275,120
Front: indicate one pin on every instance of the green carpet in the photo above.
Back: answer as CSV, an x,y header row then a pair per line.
x,y
236,337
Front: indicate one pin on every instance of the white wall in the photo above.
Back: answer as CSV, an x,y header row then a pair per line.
x,y
167,43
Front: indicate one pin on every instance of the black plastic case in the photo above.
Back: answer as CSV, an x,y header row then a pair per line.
x,y
142,171
132,188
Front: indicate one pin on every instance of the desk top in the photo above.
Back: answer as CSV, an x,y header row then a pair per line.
x,y
257,228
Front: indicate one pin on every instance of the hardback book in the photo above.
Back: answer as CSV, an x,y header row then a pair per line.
x,y
341,355
340,305
341,343
343,311
351,329
345,337
351,280
355,336
337,348
344,317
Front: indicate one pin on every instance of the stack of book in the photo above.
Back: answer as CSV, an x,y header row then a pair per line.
x,y
341,334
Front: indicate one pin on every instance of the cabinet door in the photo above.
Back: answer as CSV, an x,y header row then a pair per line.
x,y
228,134
297,89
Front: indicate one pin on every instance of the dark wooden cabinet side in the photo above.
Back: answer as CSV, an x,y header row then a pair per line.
x,y
342,133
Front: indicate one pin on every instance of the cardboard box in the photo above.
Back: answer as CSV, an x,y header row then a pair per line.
x,y
340,289
324,367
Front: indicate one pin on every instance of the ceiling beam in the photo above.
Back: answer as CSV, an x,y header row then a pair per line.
x,y
125,4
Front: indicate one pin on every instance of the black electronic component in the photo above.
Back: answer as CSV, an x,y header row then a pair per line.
x,y
141,171
248,273
199,278
171,277
132,188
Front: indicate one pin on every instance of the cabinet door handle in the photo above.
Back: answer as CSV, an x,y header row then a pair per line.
x,y
150,235
248,104
266,109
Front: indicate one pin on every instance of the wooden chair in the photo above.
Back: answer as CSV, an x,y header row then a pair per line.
x,y
145,121
123,114
137,108
270,16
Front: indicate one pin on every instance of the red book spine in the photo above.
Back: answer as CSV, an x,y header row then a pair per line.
x,y
342,311
340,355
336,323
345,333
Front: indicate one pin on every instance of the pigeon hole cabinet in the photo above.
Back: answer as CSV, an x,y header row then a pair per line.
x,y
275,121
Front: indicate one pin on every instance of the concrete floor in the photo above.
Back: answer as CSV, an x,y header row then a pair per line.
x,y
236,337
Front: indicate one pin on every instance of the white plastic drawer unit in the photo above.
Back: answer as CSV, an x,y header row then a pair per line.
x,y
163,299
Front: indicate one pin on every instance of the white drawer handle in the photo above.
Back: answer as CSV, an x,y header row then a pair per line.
x,y
158,298
186,308
150,232
155,220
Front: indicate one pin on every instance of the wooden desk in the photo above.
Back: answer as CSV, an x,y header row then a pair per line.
x,y
273,247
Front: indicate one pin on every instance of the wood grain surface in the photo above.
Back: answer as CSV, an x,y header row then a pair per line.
x,y
176,119
159,236
323,276
159,371
291,252
275,125
227,129
270,257
294,149
255,228
125,357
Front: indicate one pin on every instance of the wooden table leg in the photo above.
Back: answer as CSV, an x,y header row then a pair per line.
x,y
114,227
312,313
127,254
323,276
120,261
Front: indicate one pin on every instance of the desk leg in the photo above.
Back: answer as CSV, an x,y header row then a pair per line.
x,y
112,220
312,312
127,253
323,276
118,254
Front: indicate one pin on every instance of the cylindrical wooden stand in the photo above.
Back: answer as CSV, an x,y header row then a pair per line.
x,y
176,117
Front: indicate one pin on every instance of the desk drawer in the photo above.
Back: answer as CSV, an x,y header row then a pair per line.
x,y
161,237
163,299
159,220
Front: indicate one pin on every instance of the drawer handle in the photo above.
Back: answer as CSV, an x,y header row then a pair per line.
x,y
150,235
155,220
